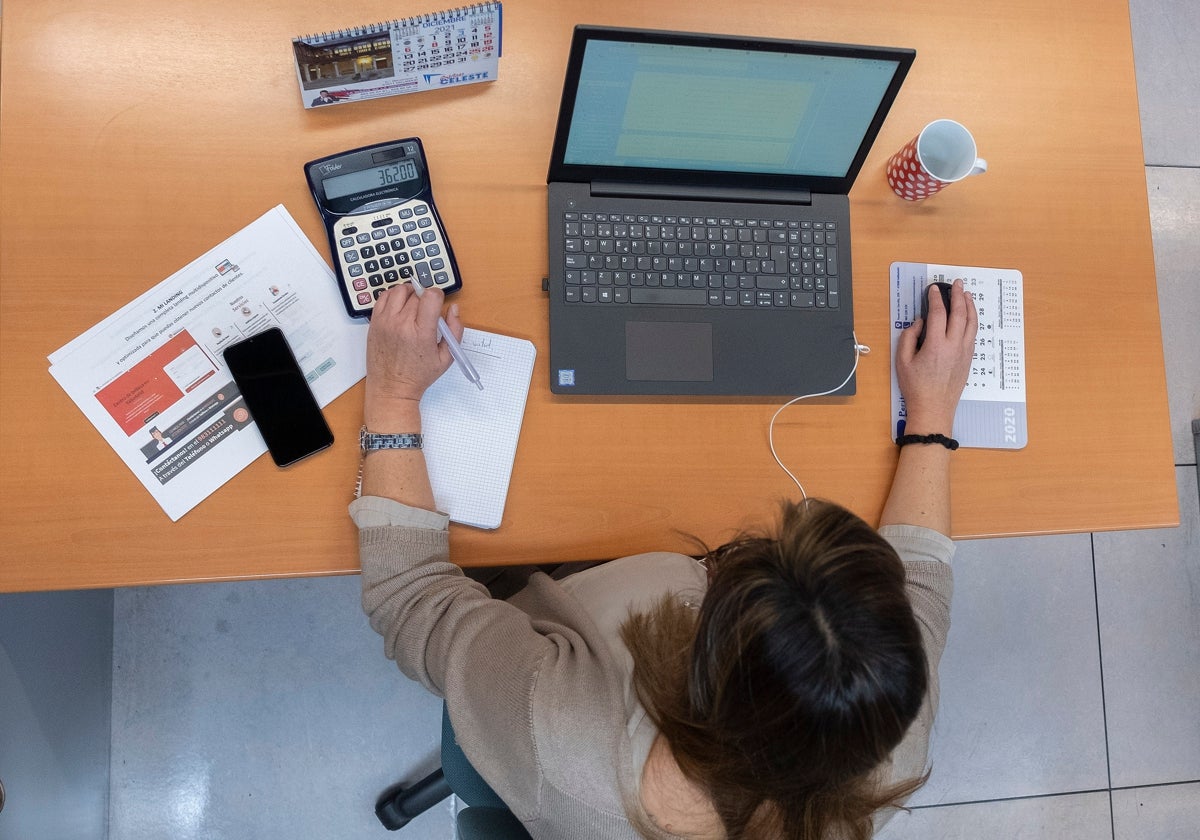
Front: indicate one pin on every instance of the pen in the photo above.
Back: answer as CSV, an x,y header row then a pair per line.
x,y
460,358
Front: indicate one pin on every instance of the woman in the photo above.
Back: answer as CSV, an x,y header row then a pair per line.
x,y
782,687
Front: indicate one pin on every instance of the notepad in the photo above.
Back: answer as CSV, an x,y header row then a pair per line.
x,y
470,436
991,413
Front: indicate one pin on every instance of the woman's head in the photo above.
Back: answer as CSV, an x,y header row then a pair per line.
x,y
803,671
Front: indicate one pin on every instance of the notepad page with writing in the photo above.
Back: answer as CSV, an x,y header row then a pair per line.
x,y
471,435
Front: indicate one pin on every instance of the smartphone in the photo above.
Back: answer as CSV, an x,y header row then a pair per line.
x,y
278,397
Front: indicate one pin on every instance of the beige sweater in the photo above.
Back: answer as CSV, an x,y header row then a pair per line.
x,y
538,687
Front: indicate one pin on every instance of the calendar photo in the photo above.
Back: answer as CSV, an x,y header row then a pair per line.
x,y
332,70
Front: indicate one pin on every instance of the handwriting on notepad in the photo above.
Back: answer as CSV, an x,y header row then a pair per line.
x,y
481,342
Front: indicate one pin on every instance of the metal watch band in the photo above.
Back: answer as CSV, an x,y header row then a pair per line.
x,y
370,441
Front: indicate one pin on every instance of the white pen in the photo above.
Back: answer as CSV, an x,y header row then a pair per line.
x,y
460,358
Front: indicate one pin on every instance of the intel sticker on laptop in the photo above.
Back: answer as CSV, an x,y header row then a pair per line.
x,y
566,378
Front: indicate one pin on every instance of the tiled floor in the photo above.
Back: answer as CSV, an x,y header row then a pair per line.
x,y
261,710
1070,700
1070,703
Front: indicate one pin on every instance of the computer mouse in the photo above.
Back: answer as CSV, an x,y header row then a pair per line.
x,y
945,289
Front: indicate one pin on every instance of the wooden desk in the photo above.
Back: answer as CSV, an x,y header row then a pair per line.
x,y
137,135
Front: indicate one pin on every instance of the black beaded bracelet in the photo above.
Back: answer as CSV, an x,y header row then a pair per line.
x,y
948,442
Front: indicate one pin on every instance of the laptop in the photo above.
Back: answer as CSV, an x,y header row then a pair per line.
x,y
699,223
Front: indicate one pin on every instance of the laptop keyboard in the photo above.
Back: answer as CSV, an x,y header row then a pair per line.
x,y
635,259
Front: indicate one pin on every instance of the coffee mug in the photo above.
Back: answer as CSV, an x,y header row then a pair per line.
x,y
944,152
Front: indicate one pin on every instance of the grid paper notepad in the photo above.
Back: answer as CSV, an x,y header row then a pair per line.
x,y
470,436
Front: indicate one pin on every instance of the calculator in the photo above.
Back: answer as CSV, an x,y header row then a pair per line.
x,y
383,227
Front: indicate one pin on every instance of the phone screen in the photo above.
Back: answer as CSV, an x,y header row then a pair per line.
x,y
278,396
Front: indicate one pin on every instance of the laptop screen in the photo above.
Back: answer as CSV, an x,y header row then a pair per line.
x,y
642,102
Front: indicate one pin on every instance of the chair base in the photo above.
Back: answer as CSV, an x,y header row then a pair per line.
x,y
398,805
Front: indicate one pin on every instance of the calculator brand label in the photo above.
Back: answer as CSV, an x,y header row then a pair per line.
x,y
326,168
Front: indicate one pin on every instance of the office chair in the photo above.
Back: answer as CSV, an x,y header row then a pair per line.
x,y
1196,443
486,817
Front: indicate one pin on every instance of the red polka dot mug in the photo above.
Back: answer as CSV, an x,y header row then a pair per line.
x,y
943,153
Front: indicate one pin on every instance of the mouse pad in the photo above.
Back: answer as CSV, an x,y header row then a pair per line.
x,y
991,413
668,351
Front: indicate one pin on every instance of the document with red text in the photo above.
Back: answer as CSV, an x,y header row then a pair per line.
x,y
152,378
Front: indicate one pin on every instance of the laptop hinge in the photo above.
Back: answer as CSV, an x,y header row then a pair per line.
x,y
692,193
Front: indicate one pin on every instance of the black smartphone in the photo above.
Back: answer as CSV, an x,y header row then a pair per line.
x,y
278,397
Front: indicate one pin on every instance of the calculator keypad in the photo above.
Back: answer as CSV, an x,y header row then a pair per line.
x,y
400,245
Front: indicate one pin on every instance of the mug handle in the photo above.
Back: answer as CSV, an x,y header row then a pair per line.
x,y
979,168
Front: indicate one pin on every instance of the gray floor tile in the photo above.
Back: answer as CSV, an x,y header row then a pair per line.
x,y
1175,221
1148,591
1021,710
1083,816
261,710
1171,812
1166,43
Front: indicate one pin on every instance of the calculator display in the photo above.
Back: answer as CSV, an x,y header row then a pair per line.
x,y
370,179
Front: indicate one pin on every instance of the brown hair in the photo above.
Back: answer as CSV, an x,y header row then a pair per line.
x,y
798,676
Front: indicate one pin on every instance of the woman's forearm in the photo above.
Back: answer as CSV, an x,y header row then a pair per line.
x,y
403,359
920,493
931,380
398,474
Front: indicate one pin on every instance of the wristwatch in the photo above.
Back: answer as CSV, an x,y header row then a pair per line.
x,y
370,441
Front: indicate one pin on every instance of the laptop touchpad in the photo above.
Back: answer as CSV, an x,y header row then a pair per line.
x,y
665,351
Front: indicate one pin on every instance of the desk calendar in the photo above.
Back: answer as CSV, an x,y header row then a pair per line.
x,y
425,52
991,413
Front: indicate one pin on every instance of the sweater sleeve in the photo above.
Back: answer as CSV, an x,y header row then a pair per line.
x,y
926,555
487,658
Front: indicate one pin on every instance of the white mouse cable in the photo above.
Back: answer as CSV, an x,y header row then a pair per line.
x,y
859,350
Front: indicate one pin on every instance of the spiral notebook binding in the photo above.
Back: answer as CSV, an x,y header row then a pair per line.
x,y
427,19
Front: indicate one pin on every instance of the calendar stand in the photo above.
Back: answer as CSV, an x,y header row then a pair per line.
x,y
426,52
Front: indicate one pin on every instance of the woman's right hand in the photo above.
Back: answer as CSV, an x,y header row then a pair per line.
x,y
404,355
932,378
